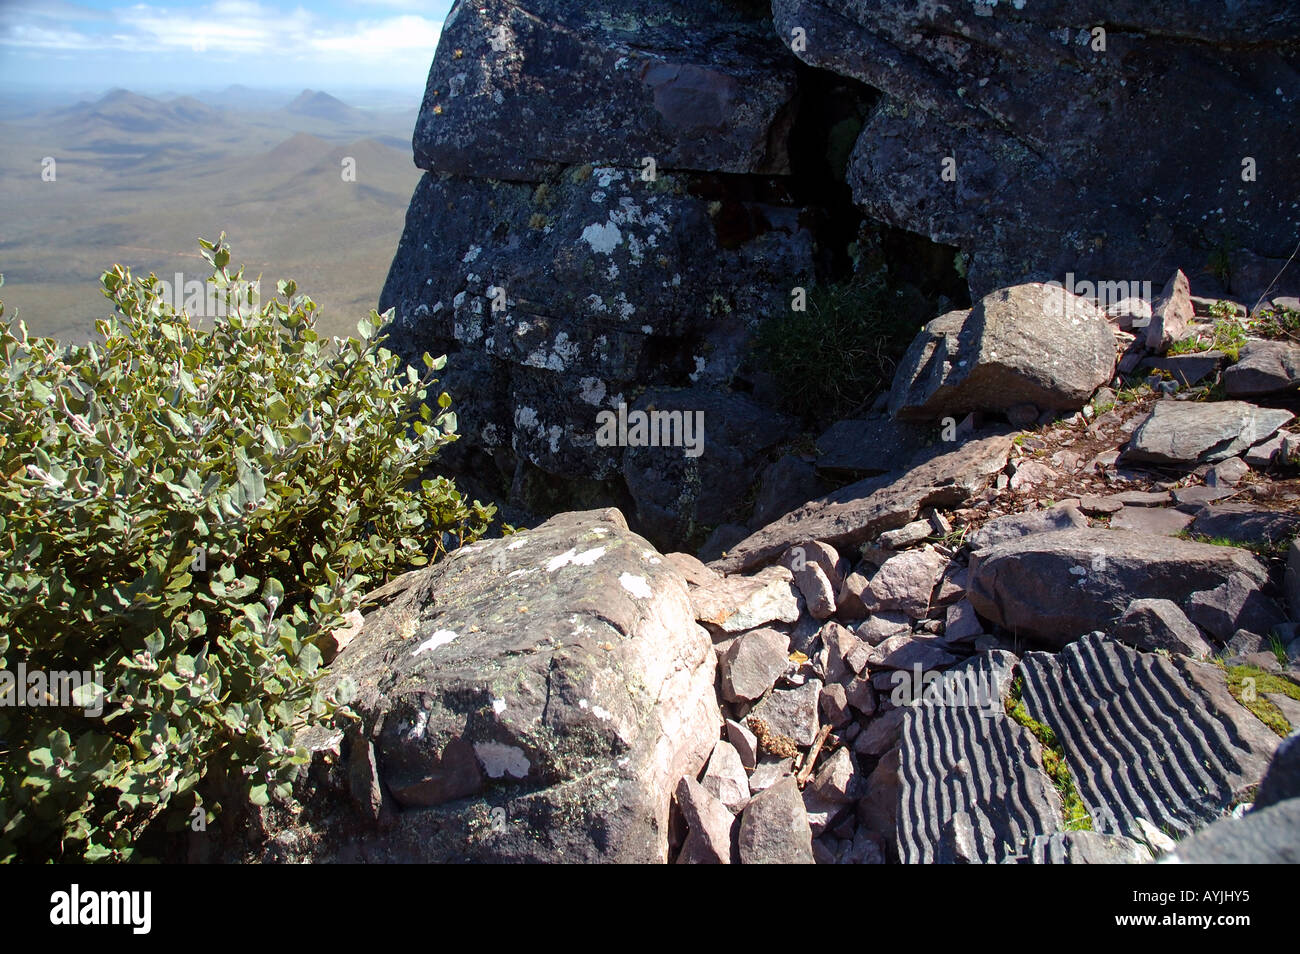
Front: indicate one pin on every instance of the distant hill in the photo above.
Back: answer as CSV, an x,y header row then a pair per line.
x,y
319,105
128,112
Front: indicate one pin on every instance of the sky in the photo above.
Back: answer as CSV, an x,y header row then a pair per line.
x,y
183,46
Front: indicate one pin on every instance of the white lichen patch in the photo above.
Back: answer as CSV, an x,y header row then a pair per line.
x,y
516,543
498,706
573,557
602,238
636,585
499,760
591,390
441,638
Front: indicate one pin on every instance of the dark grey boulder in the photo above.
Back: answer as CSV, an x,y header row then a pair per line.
x,y
1282,780
1245,524
1016,525
1264,368
1013,91
1054,587
520,86
1188,432
1270,836
1233,605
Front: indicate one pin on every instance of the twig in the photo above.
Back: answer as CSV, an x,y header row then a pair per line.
x,y
806,770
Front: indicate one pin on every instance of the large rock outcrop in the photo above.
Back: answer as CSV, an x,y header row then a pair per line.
x,y
1072,152
533,698
565,277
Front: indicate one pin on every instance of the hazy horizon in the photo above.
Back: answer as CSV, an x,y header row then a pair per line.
x,y
189,46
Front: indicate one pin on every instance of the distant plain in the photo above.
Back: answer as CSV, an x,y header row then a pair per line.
x,y
138,179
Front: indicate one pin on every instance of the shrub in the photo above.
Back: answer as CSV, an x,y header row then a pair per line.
x,y
830,358
189,515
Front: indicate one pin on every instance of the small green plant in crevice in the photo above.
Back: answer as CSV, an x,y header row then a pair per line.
x,y
828,359
1278,648
1276,323
1265,548
1227,335
1249,685
189,514
1074,814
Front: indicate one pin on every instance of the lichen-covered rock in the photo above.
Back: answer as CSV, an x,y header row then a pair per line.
x,y
520,86
532,698
1012,92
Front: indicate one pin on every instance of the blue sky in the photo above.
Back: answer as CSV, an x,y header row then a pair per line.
x,y
177,45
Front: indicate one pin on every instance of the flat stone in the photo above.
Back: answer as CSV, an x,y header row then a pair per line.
x,y
907,652
769,771
1263,368
737,603
1141,498
864,447
862,511
774,827
1016,525
1157,520
753,663
792,712
1099,506
881,626
812,582
1192,499
1187,432
918,531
